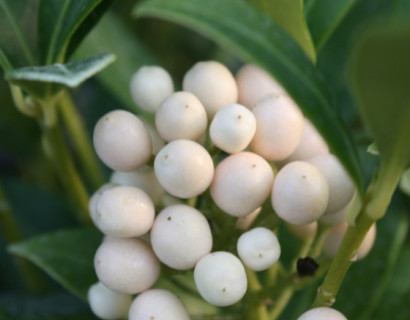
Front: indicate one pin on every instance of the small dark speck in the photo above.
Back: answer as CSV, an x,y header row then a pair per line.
x,y
239,117
107,118
303,177
186,106
151,318
169,218
254,166
166,156
224,290
98,261
260,255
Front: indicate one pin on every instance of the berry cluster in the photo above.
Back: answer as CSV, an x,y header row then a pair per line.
x,y
215,145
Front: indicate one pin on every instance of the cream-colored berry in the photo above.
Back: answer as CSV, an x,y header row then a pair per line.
x,y
181,236
108,304
181,116
184,168
124,211
121,141
157,142
279,127
303,232
259,249
92,204
341,188
149,86
242,183
322,313
157,304
143,178
213,84
220,278
254,83
245,222
126,265
300,193
232,128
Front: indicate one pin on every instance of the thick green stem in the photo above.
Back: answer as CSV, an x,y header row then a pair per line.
x,y
281,303
56,150
345,256
77,133
256,310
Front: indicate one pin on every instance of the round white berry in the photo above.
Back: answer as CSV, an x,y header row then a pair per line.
x,y
184,168
92,204
310,144
232,128
124,211
242,182
157,142
157,304
258,248
126,265
108,304
213,84
303,232
121,141
181,236
254,83
144,178
279,127
300,193
220,278
335,237
341,188
322,313
181,116
149,86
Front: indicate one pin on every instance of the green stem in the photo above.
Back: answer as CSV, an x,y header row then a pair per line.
x,y
345,256
11,232
256,310
56,150
281,303
319,241
77,133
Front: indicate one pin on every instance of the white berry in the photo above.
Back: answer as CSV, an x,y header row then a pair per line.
x,y
245,222
144,178
279,127
300,193
303,232
121,141
232,128
124,211
255,83
157,142
126,265
341,188
157,304
184,168
108,304
181,236
242,183
181,116
322,313
92,203
213,84
149,86
220,278
258,248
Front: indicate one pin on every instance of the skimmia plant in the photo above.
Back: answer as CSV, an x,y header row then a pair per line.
x,y
228,159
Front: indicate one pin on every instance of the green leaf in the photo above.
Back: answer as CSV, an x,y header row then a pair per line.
x,y
256,38
58,20
67,256
44,80
405,182
290,15
381,82
111,35
324,16
17,34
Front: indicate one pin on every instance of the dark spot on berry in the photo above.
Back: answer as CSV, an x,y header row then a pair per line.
x,y
254,165
186,106
260,255
303,177
307,266
107,118
224,290
169,218
166,156
239,117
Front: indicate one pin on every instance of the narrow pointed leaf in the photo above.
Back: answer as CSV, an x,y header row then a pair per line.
x,y
44,80
256,38
67,256
324,16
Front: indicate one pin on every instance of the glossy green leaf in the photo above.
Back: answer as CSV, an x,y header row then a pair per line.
x,y
67,256
111,35
58,20
324,16
256,38
290,15
405,182
17,34
381,82
43,80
